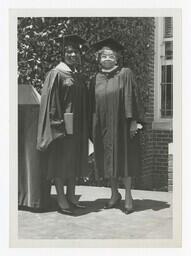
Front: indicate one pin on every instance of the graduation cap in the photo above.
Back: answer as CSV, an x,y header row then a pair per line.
x,y
71,39
108,42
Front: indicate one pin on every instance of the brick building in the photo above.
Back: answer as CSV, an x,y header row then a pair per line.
x,y
157,150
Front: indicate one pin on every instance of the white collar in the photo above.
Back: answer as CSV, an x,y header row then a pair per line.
x,y
107,71
63,67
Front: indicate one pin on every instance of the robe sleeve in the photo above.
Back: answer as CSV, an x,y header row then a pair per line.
x,y
55,112
48,128
132,101
91,106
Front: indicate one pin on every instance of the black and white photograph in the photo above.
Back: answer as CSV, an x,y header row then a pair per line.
x,y
95,127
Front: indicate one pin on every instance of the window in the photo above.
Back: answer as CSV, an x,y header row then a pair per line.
x,y
166,80
166,91
163,75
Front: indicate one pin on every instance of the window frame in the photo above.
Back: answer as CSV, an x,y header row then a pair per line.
x,y
160,123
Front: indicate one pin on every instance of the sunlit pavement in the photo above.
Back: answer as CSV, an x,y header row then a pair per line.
x,y
152,218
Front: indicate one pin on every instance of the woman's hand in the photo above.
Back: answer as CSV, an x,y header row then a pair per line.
x,y
133,128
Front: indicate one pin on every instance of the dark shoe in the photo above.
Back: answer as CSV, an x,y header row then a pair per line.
x,y
80,206
67,211
113,205
128,210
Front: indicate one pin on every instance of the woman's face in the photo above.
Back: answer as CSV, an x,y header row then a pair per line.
x,y
72,55
108,58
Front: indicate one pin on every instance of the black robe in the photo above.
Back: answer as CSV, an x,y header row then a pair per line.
x,y
33,188
67,154
114,103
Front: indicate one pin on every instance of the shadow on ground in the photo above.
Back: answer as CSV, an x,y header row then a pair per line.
x,y
98,205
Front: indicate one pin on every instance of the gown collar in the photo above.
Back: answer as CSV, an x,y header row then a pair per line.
x,y
63,67
108,71
111,73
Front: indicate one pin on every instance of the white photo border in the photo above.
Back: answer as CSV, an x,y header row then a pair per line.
x,y
15,242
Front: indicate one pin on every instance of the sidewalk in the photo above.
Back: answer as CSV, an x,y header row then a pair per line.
x,y
152,218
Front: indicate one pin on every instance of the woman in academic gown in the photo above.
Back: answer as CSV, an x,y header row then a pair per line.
x,y
113,91
63,127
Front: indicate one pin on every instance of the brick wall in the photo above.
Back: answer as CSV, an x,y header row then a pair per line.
x,y
161,139
154,145
145,179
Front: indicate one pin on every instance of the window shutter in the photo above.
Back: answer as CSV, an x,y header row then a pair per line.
x,y
167,27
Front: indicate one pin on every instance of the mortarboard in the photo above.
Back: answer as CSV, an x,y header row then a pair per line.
x,y
108,42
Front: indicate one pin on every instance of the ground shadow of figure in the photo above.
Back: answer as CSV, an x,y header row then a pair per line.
x,y
98,205
146,204
139,205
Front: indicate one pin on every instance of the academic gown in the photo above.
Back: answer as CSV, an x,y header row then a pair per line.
x,y
114,104
64,91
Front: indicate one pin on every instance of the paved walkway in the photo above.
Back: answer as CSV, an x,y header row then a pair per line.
x,y
152,218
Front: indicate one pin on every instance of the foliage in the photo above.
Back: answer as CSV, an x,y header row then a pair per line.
x,y
38,52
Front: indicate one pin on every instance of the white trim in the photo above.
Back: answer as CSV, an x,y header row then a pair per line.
x,y
169,39
63,67
159,122
164,124
170,148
